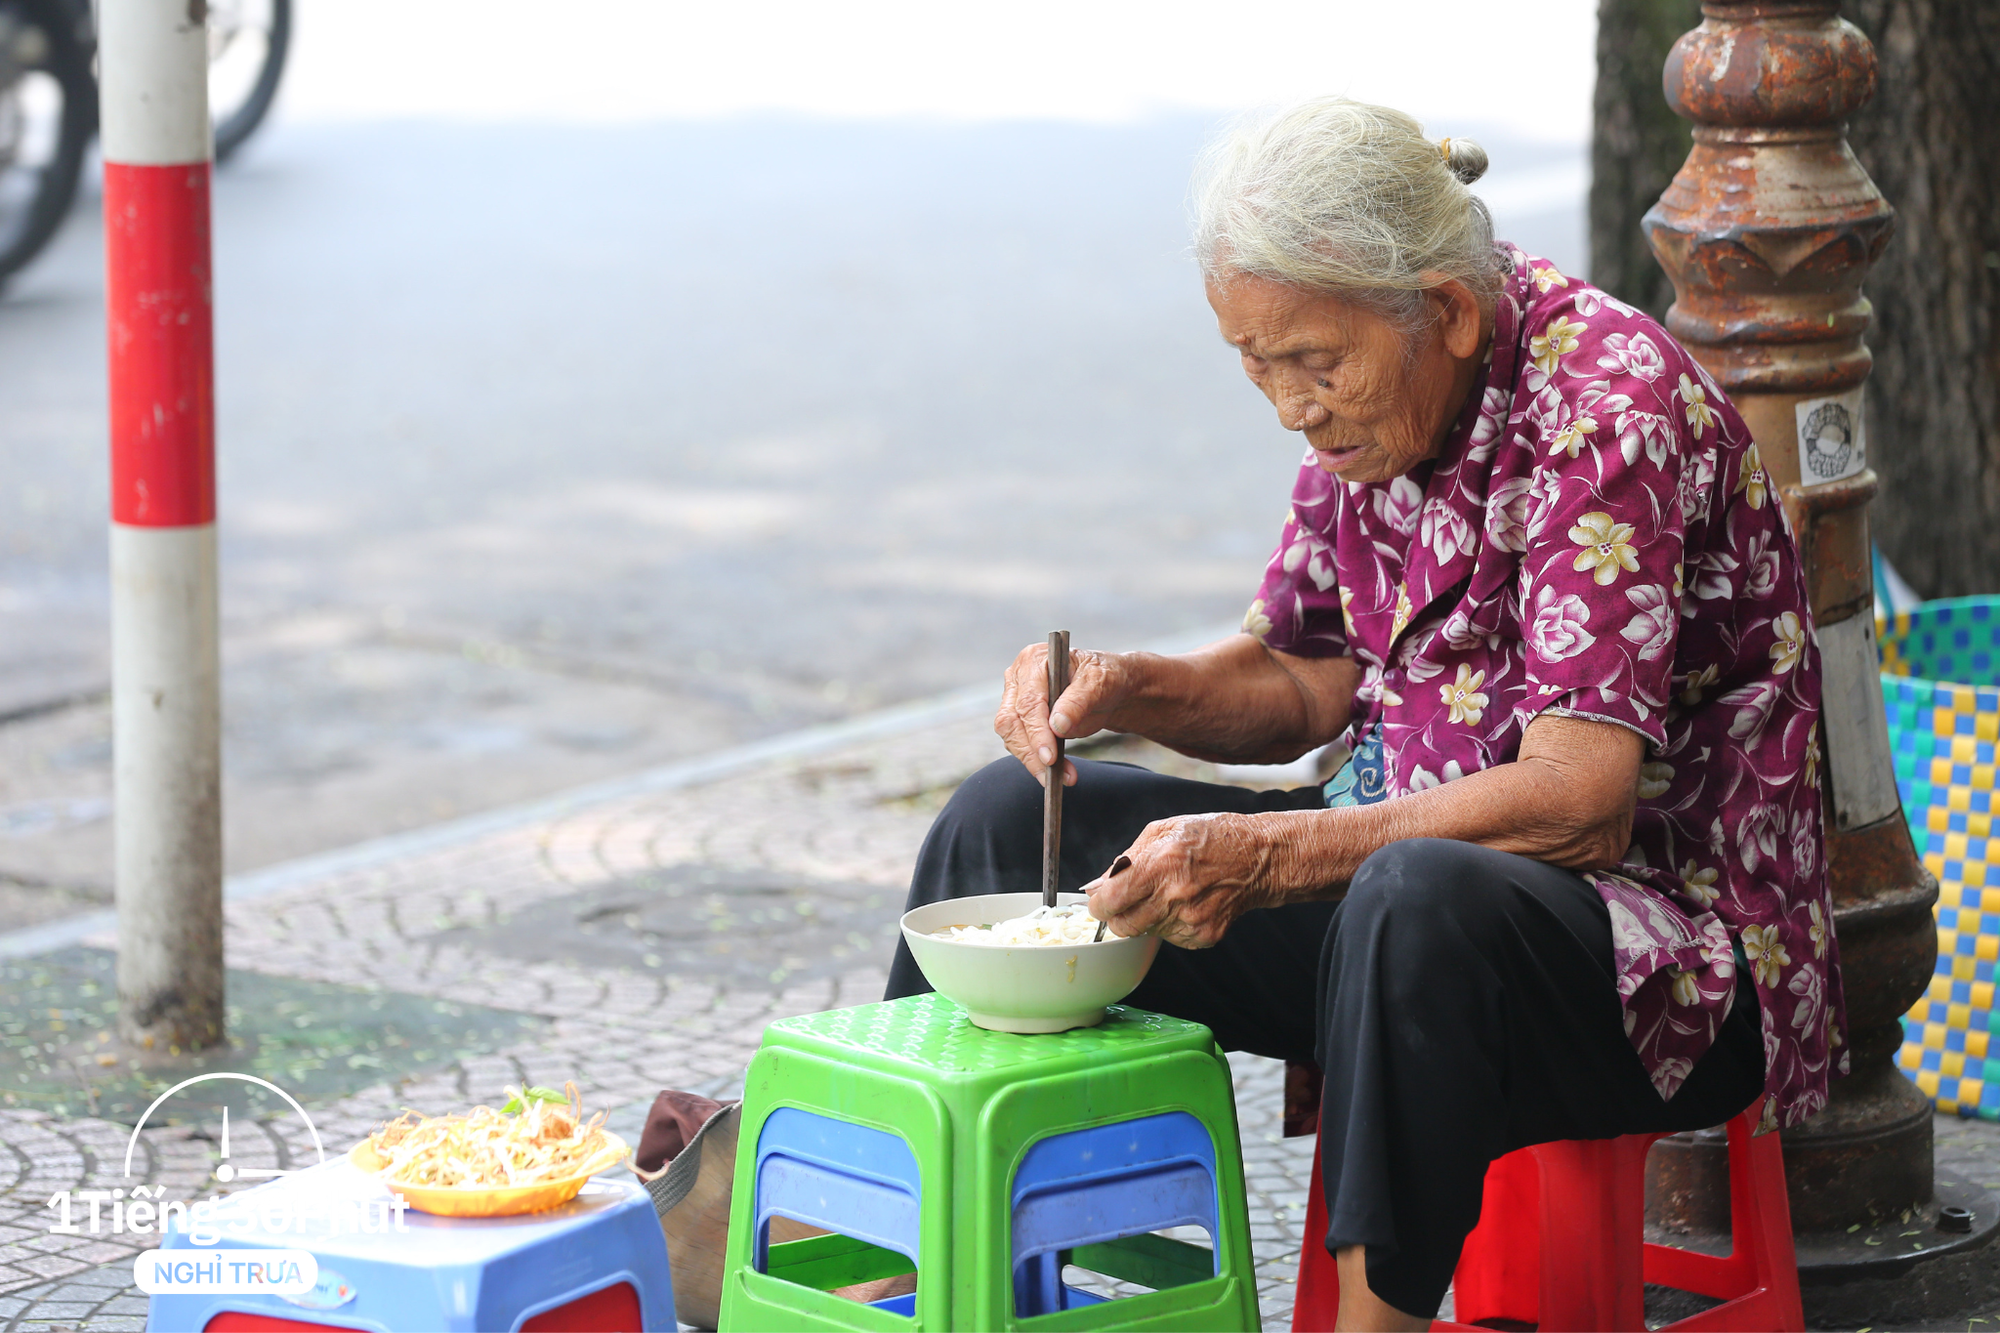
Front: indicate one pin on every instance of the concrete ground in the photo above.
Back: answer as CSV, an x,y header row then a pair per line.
x,y
549,453
645,940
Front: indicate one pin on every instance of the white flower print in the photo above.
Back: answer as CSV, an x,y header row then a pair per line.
x,y
1255,622
1753,702
1628,936
1669,1074
1807,984
1791,644
1486,429
1547,277
1308,548
1597,397
1422,779
1416,667
1644,430
1652,628
1396,504
1558,630
1466,704
1507,513
1805,846
1655,780
1634,354
1695,682
1766,953
1547,409
1607,547
1700,416
1700,882
1459,632
1589,301
1445,531
1817,932
1712,576
1686,991
1543,490
1696,482
1757,835
1760,567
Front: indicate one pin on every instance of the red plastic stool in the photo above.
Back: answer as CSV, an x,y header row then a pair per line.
x,y
1589,1198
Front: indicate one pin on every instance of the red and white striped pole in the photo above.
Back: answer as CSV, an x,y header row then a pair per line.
x,y
166,677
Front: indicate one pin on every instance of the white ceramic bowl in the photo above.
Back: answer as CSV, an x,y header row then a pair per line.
x,y
1024,988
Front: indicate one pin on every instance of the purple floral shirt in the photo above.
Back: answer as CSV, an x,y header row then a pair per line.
x,y
1599,539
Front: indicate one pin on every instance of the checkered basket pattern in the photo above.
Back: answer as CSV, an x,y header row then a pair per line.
x,y
1940,668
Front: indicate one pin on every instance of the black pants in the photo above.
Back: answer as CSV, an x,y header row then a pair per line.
x,y
1461,1001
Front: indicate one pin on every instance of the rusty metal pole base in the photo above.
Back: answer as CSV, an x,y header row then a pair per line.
x,y
1687,1180
1767,232
1894,1247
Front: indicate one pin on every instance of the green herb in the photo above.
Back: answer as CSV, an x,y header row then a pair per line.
x,y
518,1099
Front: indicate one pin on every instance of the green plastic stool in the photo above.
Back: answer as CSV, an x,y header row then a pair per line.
x,y
952,1111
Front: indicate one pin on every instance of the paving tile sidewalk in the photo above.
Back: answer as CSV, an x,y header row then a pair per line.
x,y
656,935
689,1015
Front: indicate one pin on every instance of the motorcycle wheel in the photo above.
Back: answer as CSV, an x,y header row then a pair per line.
x,y
247,44
48,112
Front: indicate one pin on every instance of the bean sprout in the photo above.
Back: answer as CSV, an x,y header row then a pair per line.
x,y
485,1148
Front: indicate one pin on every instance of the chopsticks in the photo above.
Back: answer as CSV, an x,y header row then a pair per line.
x,y
1123,862
1052,789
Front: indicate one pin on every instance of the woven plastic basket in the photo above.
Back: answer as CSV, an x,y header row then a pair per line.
x,y
1940,669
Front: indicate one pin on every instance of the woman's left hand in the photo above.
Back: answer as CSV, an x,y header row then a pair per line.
x,y
1187,879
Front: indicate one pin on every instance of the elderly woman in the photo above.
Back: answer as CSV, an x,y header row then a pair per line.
x,y
1570,882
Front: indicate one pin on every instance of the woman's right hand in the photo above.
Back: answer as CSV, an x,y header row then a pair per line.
x,y
1098,684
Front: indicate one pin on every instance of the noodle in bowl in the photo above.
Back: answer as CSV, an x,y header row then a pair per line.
x,y
1017,968
1065,923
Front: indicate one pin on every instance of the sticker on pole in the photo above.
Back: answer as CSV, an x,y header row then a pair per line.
x,y
1832,446
225,1272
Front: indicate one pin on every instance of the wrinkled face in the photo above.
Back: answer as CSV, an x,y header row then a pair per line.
x,y
1371,406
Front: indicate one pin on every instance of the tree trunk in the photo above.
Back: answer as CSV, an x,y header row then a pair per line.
x,y
1637,146
1930,139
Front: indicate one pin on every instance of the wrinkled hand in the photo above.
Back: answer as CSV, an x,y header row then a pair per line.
x,y
1098,683
1187,879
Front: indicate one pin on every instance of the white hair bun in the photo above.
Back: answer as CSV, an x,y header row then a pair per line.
x,y
1465,158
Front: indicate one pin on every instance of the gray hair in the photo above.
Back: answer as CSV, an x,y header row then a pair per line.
x,y
1347,199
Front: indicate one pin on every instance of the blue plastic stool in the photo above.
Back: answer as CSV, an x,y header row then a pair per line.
x,y
598,1262
1091,1186
1082,1188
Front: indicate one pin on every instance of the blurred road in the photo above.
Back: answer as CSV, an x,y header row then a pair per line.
x,y
550,453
